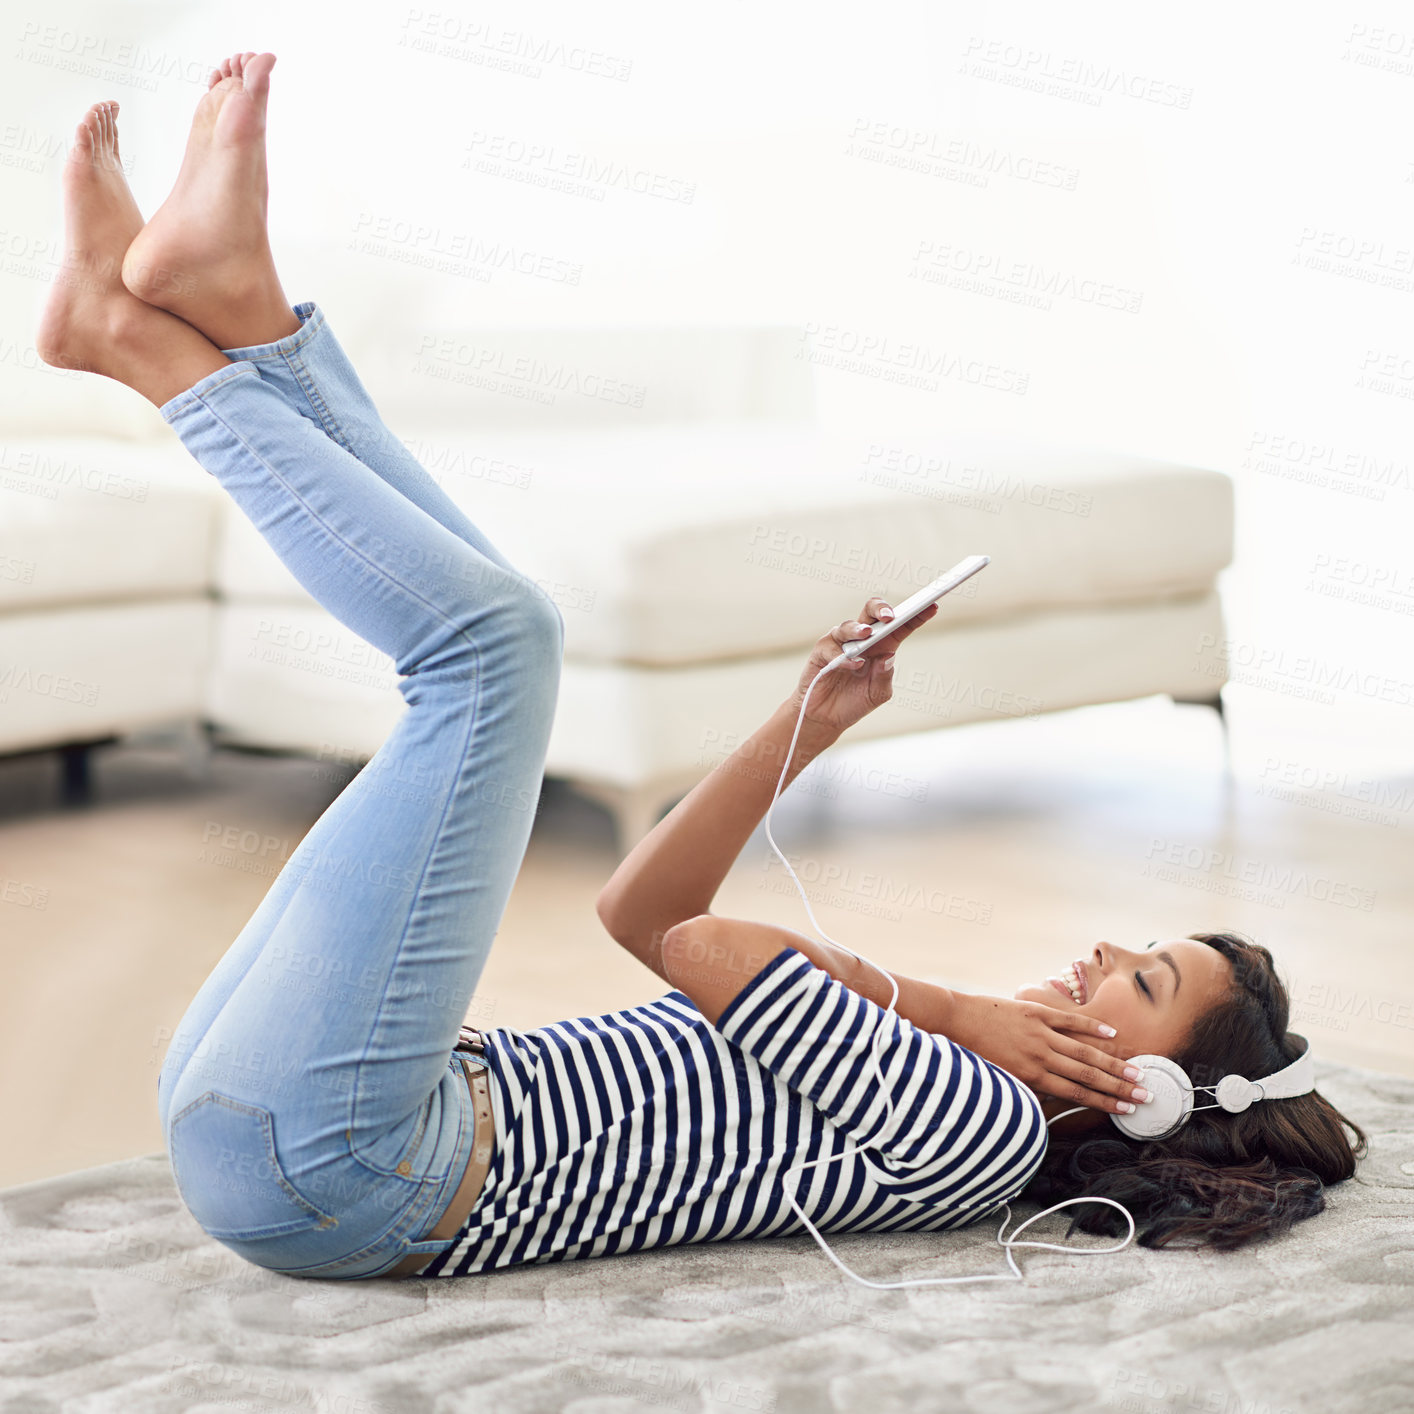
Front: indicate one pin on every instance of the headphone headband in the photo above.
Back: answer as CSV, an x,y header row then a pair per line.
x,y
1172,1092
1235,1094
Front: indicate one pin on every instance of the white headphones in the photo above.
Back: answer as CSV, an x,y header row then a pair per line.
x,y
1173,1092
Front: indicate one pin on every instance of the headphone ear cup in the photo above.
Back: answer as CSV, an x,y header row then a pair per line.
x,y
1172,1102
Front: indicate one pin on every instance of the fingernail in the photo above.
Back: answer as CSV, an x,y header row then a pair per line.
x,y
888,662
1131,1072
1140,1093
886,613
1107,1030
1125,1108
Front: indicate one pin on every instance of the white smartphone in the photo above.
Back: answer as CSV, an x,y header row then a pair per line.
x,y
916,603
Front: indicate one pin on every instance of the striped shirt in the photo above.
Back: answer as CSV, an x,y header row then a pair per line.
x,y
649,1127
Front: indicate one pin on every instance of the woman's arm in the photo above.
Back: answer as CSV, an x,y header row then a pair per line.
x,y
712,960
674,872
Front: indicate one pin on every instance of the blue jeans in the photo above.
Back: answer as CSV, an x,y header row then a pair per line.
x,y
315,1118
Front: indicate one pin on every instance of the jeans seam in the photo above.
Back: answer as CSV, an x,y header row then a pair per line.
x,y
412,1218
407,1148
421,1118
300,372
187,398
472,721
262,1117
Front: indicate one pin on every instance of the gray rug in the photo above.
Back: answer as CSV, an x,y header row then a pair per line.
x,y
113,1299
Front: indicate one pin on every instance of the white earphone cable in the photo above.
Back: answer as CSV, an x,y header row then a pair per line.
x,y
1006,1243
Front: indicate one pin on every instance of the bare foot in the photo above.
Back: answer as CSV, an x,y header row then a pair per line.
x,y
100,219
205,254
90,321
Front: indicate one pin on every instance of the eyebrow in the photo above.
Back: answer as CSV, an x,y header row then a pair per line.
x,y
1167,957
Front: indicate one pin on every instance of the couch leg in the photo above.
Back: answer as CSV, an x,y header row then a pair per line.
x,y
76,779
1216,703
194,750
634,811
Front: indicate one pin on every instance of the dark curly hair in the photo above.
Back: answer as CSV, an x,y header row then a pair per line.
x,y
1222,1180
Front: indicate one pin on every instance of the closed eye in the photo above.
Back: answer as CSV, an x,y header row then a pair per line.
x,y
1143,986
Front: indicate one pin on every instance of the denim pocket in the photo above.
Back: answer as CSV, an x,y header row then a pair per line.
x,y
228,1175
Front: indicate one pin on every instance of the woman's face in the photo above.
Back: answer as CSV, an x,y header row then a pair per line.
x,y
1151,998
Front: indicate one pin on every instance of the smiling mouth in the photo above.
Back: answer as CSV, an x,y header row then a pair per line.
x,y
1073,983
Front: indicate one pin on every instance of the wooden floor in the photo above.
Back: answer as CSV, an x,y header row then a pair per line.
x,y
981,856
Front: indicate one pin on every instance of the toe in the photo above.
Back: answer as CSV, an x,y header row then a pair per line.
x,y
216,77
257,75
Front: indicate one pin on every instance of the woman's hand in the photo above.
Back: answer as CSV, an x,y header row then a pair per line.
x,y
844,696
1026,1039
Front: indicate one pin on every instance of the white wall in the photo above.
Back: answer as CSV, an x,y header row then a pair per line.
x,y
1197,162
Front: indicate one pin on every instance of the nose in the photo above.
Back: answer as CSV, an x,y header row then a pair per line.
x,y
1108,956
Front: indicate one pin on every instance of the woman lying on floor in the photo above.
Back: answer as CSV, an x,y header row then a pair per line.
x,y
326,1113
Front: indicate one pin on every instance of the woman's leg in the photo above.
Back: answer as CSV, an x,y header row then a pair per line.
x,y
316,1117
333,1016
206,256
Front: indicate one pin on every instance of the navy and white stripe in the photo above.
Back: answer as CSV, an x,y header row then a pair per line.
x,y
649,1127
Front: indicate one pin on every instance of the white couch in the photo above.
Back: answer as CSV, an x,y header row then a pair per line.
x,y
696,528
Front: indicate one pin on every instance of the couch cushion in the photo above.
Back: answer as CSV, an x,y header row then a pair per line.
x,y
83,672
290,677
96,519
667,545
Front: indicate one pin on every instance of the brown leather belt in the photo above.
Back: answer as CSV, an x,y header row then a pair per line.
x,y
478,1165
